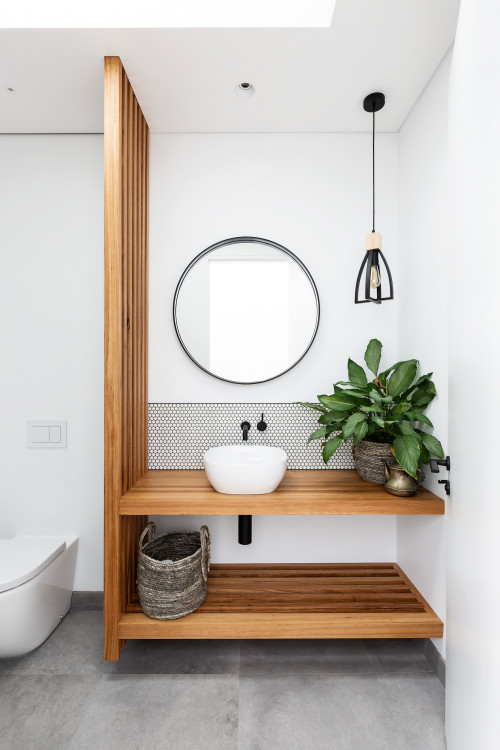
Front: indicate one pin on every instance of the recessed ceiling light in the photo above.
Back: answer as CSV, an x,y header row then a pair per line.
x,y
244,89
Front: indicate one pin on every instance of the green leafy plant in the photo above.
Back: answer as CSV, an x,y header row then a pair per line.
x,y
387,409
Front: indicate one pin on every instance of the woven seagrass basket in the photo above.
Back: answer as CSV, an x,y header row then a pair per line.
x,y
369,460
172,572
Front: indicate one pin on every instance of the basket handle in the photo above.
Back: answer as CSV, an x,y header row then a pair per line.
x,y
150,527
205,551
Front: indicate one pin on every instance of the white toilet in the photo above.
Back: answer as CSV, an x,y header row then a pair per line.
x,y
36,584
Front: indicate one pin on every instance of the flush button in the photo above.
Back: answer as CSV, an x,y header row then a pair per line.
x,y
46,434
55,434
40,434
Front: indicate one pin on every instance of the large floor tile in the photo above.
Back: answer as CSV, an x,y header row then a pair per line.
x,y
417,703
315,712
75,647
396,655
185,712
42,712
179,657
304,656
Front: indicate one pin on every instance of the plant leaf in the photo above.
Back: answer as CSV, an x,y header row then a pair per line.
x,y
318,407
382,376
406,429
360,431
338,402
401,408
422,398
380,399
424,454
331,416
402,377
364,388
348,428
432,444
354,393
356,373
415,416
407,452
318,434
422,381
372,408
331,446
373,354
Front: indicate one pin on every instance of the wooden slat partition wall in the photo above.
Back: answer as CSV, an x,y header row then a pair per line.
x,y
126,155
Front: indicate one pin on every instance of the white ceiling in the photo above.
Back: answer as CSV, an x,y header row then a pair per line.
x,y
306,80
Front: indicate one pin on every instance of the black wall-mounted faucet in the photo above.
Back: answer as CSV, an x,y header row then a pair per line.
x,y
262,426
245,426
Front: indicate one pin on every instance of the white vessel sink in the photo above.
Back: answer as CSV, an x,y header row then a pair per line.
x,y
245,469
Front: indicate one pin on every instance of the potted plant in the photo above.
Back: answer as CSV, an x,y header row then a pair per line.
x,y
383,416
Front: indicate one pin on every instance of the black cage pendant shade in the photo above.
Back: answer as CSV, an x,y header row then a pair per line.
x,y
370,278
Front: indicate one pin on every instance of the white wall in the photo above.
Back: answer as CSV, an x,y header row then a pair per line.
x,y
51,339
312,194
473,650
309,192
423,310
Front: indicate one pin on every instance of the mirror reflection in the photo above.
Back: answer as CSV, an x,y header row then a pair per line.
x,y
246,310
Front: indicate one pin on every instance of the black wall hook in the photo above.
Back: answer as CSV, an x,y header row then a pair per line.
x,y
435,463
447,487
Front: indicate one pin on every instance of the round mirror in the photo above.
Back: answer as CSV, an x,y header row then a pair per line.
x,y
246,310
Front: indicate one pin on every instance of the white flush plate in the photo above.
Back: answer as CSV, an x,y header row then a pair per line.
x,y
46,434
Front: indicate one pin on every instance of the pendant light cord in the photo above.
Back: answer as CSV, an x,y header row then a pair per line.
x,y
373,169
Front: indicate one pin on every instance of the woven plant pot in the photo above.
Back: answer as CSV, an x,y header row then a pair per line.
x,y
172,572
369,460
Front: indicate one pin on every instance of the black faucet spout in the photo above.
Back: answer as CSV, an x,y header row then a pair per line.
x,y
245,426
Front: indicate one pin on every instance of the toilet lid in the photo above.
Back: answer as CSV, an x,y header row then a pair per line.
x,y
24,557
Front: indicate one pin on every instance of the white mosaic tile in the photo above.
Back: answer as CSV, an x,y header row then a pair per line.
x,y
179,434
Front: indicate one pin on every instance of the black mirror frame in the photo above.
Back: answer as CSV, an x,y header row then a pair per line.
x,y
234,241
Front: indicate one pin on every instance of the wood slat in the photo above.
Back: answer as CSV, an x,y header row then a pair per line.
x,y
112,350
338,492
302,606
283,626
125,396
145,295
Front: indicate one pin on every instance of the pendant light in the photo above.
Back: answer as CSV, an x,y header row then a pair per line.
x,y
373,278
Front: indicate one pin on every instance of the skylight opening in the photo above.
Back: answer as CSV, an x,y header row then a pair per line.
x,y
93,14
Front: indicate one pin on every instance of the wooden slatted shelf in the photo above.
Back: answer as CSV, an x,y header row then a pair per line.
x,y
335,492
368,600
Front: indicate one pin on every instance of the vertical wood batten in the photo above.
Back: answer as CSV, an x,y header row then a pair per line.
x,y
140,375
125,410
146,305
125,296
135,312
130,248
112,350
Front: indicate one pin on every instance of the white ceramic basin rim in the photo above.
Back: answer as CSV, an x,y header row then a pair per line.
x,y
245,469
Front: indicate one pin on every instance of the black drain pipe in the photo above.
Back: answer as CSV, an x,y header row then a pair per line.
x,y
245,529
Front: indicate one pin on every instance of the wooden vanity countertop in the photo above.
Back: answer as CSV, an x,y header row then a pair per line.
x,y
302,492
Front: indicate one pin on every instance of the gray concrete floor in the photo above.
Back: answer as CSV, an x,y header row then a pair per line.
x,y
219,695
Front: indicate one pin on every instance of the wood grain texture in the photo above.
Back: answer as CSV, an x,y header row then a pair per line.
x,y
299,601
336,492
113,300
125,387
